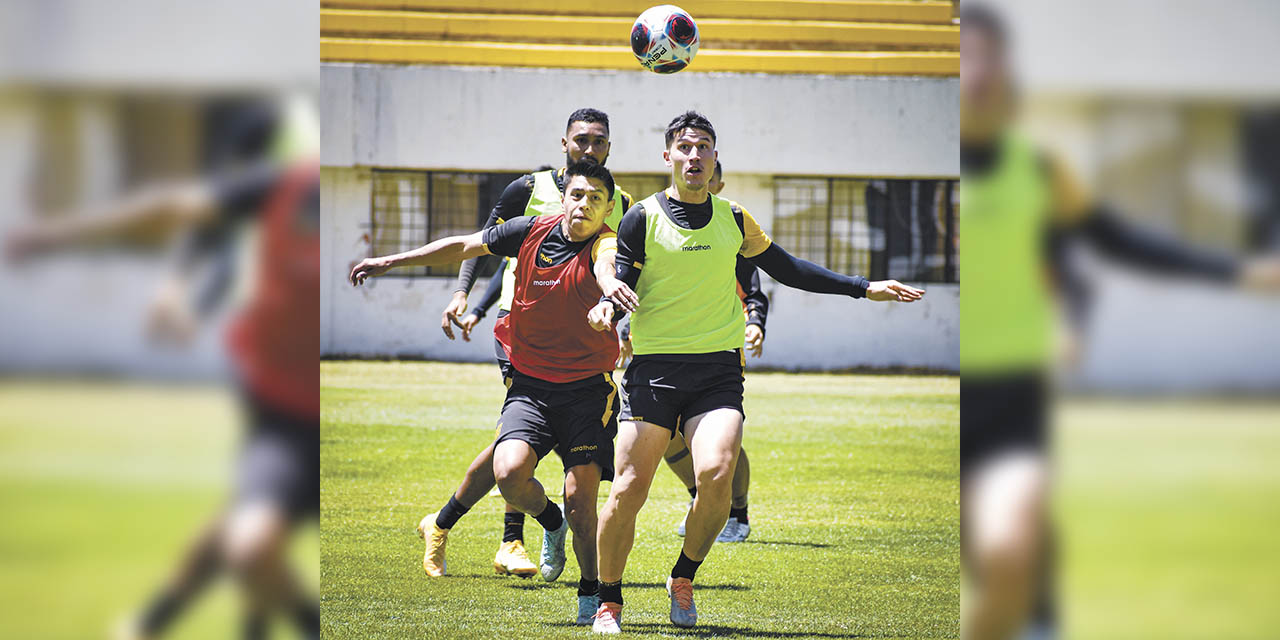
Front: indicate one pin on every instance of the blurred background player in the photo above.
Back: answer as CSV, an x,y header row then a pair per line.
x,y
561,393
586,136
677,249
1020,211
262,169
755,305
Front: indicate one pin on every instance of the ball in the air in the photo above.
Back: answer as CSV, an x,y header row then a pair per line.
x,y
664,39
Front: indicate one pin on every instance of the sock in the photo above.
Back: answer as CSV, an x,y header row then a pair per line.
x,y
551,519
162,610
513,526
611,592
450,513
306,617
685,568
740,514
254,627
693,492
588,587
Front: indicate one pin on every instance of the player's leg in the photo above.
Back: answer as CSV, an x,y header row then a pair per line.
x,y
198,566
678,460
511,557
738,527
526,437
581,488
1004,502
639,448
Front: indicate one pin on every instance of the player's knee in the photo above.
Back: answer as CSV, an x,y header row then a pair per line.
x,y
716,478
580,509
251,543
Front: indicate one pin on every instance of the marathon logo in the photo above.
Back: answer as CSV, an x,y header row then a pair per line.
x,y
584,447
546,283
697,247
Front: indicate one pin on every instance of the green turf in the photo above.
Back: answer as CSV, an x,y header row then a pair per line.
x,y
854,510
102,485
1168,513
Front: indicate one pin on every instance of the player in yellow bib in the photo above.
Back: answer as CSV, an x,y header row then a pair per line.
x,y
678,250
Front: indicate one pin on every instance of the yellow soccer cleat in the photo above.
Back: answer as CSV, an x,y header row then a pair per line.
x,y
513,560
433,559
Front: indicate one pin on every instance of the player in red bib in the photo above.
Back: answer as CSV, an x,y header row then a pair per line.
x,y
562,395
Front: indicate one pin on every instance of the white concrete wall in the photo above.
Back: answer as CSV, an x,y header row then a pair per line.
x,y
491,119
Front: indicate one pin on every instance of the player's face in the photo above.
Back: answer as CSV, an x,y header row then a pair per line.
x,y
692,158
716,185
586,203
586,139
984,85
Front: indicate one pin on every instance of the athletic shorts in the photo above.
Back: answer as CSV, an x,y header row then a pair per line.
x,y
578,420
504,365
279,461
667,393
1001,414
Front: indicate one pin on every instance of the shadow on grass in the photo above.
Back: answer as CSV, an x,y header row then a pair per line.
x,y
716,631
534,585
811,545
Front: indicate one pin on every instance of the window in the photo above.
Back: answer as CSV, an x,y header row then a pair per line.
x,y
899,229
411,208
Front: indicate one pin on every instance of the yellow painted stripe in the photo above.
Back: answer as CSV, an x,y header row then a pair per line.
x,y
844,10
608,402
413,24
507,54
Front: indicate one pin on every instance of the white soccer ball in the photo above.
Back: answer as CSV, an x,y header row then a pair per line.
x,y
664,39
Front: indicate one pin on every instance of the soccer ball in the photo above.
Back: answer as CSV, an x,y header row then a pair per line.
x,y
664,39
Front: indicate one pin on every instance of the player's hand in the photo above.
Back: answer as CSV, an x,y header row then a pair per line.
x,y
600,317
170,319
456,307
368,268
893,291
1261,274
468,323
624,351
621,295
755,340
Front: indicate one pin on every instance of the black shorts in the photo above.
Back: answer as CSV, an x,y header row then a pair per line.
x,y
1001,414
578,420
279,461
667,393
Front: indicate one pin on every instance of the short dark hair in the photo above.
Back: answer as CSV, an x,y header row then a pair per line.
x,y
980,17
588,115
689,120
589,168
719,170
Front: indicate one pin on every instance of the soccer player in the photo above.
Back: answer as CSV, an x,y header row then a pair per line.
x,y
561,394
267,175
677,250
586,136
756,305
1015,203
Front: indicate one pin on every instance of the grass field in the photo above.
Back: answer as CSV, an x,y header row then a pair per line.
x,y
102,485
854,511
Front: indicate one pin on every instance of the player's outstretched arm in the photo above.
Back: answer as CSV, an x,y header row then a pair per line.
x,y
807,276
442,251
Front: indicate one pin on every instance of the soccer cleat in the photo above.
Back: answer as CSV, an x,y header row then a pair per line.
x,y
680,527
587,606
553,551
436,538
683,611
608,618
734,531
512,559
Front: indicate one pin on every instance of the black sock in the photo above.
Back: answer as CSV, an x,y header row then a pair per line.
x,y
740,514
450,513
685,568
513,526
306,616
611,592
693,492
254,627
162,610
588,587
550,518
